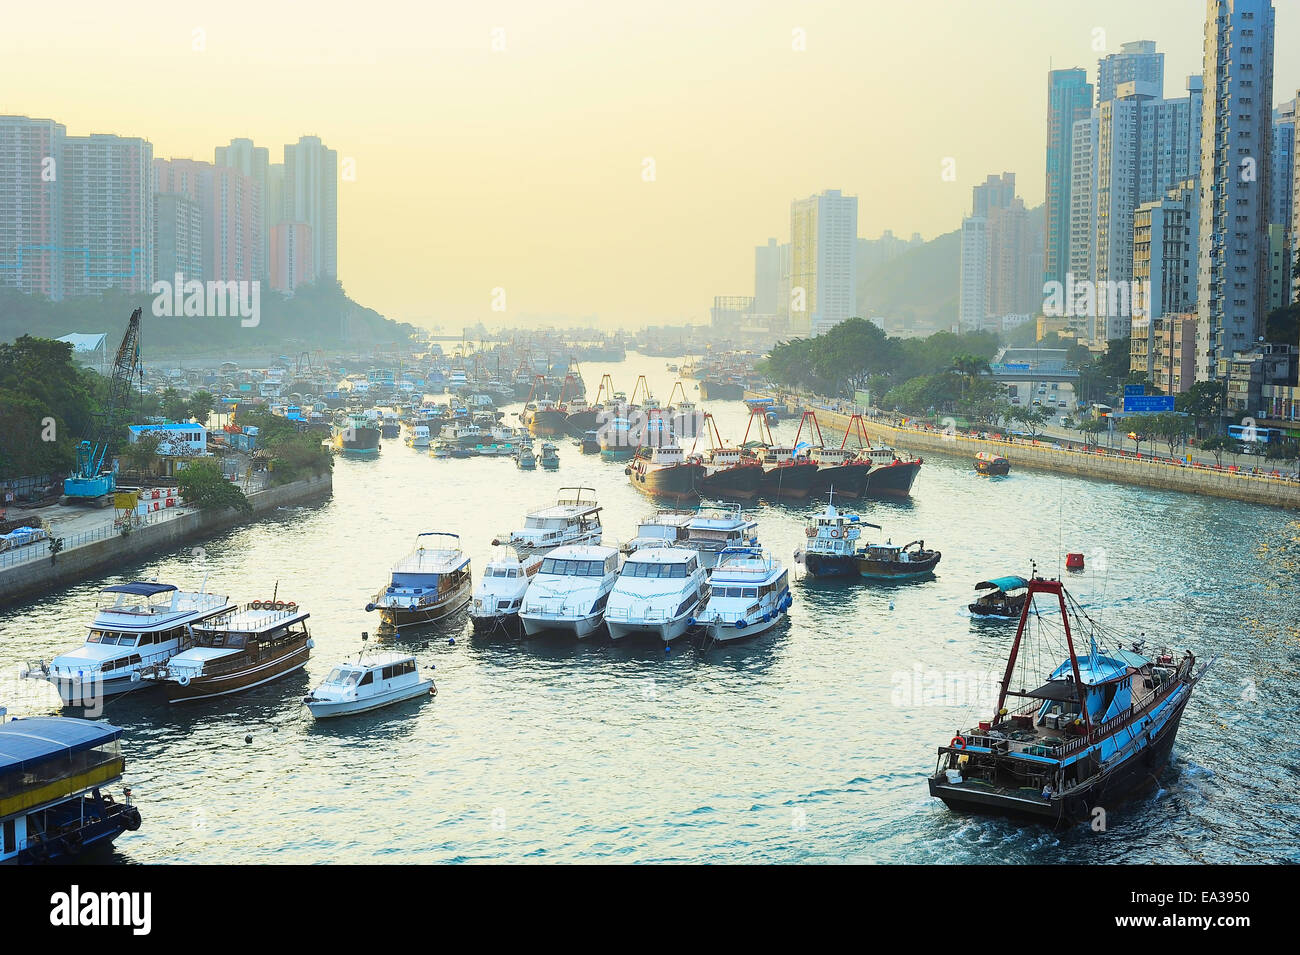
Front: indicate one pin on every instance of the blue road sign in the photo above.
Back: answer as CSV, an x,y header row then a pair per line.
x,y
1131,390
1148,404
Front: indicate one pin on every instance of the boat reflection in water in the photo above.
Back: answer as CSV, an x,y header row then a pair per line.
x,y
1081,738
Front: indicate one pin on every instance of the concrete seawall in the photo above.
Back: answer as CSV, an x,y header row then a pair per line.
x,y
1099,466
38,577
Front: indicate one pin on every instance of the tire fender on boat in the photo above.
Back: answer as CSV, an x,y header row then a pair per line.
x,y
183,680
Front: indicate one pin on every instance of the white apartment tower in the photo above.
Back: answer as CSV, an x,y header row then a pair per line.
x,y
823,261
1236,155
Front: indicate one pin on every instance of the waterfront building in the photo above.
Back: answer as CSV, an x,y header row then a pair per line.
x,y
1164,263
1248,373
1069,100
1083,211
184,439
1164,349
1236,155
823,260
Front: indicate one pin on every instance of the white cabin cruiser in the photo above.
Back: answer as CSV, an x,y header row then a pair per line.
x,y
136,625
500,590
715,528
572,519
368,683
570,590
750,594
659,591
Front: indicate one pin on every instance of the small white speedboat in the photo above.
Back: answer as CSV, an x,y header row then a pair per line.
x,y
368,683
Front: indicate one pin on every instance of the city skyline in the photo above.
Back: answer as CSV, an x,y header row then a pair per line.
x,y
484,194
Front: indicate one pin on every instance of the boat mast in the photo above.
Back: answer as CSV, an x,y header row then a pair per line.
x,y
815,426
1045,587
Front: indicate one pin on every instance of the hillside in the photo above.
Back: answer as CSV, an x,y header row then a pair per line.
x,y
918,289
317,316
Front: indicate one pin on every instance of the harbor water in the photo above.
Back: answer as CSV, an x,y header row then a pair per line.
x,y
809,743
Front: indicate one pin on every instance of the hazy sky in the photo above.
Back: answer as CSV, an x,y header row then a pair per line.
x,y
523,168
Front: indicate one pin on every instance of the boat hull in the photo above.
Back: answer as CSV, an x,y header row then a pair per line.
x,y
897,570
892,480
1108,789
792,482
400,617
739,481
580,422
728,633
848,481
104,821
577,626
677,482
993,468
359,442
246,678
667,630
547,423
720,390
831,565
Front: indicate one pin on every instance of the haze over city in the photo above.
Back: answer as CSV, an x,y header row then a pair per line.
x,y
524,168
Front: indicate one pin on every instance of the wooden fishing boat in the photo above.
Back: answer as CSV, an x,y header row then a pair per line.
x,y
986,462
1083,739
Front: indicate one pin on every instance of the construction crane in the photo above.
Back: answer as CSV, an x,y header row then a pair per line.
x,y
91,483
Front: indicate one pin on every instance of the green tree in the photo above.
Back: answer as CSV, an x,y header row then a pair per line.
x,y
1033,420
200,406
142,454
203,485
174,407
1219,444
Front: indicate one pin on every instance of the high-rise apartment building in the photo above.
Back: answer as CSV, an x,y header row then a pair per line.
x,y
1136,61
310,196
254,163
1145,145
30,211
1069,100
767,277
106,196
823,261
1236,157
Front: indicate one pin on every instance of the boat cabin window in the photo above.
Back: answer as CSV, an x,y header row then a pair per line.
x,y
397,669
367,679
343,676
750,592
639,568
573,568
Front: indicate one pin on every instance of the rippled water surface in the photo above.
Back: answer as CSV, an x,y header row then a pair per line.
x,y
791,747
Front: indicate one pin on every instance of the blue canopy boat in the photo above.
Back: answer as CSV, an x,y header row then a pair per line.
x,y
1001,598
54,777
1098,728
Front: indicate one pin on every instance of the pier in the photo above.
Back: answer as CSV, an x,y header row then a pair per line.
x,y
31,571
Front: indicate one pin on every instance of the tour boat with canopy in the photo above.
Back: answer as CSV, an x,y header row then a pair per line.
x,y
1001,597
136,625
236,651
428,584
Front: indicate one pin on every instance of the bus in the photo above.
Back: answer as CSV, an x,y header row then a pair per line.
x,y
1249,433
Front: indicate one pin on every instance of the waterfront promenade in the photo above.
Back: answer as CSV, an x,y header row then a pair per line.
x,y
1256,486
94,544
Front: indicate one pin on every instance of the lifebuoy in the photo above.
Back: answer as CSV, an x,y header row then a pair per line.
x,y
958,742
279,605
291,605
255,605
811,532
835,532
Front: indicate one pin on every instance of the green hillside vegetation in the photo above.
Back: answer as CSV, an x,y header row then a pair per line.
x,y
319,315
918,288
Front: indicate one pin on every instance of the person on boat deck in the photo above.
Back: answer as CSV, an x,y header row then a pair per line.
x,y
1047,791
